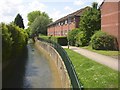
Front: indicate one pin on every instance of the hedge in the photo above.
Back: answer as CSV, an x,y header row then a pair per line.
x,y
103,41
14,39
58,39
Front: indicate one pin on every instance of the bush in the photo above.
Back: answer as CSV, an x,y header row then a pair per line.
x,y
81,39
6,42
103,41
72,36
62,41
14,39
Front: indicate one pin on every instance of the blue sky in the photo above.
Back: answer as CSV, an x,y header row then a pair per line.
x,y
55,8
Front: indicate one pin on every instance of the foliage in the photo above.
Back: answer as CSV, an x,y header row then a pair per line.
x,y
81,39
40,25
90,71
72,36
103,41
6,42
90,22
58,39
14,39
19,21
38,22
95,5
32,16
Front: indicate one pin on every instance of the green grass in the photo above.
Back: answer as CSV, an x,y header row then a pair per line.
x,y
92,74
104,52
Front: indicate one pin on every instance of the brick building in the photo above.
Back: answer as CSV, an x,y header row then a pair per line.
x,y
61,26
110,18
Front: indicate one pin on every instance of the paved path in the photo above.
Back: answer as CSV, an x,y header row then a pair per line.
x,y
105,60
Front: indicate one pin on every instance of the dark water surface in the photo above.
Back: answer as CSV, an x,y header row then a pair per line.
x,y
31,71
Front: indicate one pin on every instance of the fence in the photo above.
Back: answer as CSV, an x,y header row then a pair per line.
x,y
69,66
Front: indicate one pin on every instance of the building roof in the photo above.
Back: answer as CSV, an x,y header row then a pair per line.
x,y
76,13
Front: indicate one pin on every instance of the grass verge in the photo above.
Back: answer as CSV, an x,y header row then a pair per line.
x,y
92,74
104,52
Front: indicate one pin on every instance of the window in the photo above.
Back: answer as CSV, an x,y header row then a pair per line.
x,y
59,24
66,21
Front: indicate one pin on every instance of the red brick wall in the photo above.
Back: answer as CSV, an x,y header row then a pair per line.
x,y
119,24
109,18
60,30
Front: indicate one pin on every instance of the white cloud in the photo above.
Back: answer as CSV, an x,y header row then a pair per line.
x,y
67,8
56,14
99,1
10,8
78,2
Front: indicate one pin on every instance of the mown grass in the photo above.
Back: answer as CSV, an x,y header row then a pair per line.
x,y
92,74
104,52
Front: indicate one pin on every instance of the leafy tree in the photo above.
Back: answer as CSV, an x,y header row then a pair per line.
x,y
40,25
32,16
90,22
38,22
95,5
19,21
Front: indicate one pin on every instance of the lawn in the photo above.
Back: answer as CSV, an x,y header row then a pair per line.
x,y
104,52
92,74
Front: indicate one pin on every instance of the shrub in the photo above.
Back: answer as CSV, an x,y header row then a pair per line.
x,y
81,39
72,36
6,42
62,41
58,39
103,41
14,39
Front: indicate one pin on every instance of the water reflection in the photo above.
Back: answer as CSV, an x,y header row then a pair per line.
x,y
13,75
32,70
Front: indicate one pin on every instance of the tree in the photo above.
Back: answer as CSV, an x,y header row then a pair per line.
x,y
32,16
40,25
95,5
38,22
90,22
19,21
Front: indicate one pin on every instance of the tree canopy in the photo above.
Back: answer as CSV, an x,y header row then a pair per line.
x,y
90,21
38,22
19,21
32,16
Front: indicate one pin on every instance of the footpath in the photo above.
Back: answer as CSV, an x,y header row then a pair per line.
x,y
102,59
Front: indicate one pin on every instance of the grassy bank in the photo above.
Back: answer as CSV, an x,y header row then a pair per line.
x,y
92,74
104,52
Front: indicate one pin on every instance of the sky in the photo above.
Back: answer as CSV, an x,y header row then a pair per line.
x,y
54,8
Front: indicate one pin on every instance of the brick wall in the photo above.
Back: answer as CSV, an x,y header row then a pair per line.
x,y
109,18
61,30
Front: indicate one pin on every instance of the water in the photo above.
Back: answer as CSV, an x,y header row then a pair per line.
x,y
32,71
